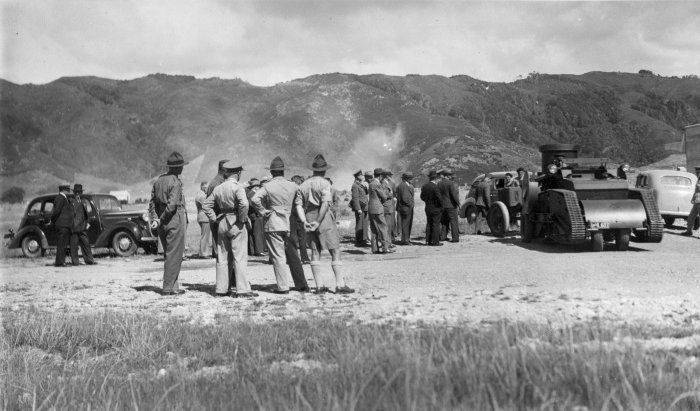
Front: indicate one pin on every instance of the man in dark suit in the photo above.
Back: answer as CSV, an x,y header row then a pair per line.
x,y
404,207
433,209
79,231
377,197
62,219
449,193
359,200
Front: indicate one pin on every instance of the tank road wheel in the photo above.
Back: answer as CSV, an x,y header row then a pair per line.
x,y
498,219
597,241
31,246
124,244
622,239
668,221
526,228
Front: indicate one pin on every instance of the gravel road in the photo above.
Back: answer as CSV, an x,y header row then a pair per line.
x,y
480,279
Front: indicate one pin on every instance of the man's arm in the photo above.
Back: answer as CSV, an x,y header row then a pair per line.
x,y
256,202
208,207
355,198
57,208
454,193
381,192
243,206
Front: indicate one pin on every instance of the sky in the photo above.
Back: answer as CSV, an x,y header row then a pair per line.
x,y
267,42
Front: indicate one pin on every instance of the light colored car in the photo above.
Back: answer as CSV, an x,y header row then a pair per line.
x,y
673,190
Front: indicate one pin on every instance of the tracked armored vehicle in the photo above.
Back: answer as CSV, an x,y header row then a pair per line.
x,y
575,200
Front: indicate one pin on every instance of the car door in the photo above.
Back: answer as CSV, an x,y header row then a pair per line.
x,y
43,223
93,219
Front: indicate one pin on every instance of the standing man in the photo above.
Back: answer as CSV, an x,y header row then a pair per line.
x,y
312,205
430,194
377,197
203,221
256,237
297,234
218,179
80,225
404,206
230,199
359,201
275,201
167,214
695,211
389,207
62,219
521,175
510,181
449,193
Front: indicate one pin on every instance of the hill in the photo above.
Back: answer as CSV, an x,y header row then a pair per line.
x,y
121,131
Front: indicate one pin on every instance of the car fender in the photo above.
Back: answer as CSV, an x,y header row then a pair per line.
x,y
106,236
16,242
463,208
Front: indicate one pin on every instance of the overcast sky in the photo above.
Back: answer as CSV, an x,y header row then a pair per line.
x,y
269,42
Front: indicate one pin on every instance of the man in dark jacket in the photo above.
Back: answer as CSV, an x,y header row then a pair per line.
x,y
359,201
449,193
377,197
404,207
62,219
430,194
297,233
389,206
79,230
256,232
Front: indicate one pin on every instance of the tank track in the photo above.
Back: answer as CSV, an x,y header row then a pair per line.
x,y
576,231
655,229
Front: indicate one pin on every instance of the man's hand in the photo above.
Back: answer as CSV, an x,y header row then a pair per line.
x,y
311,226
267,213
155,223
87,226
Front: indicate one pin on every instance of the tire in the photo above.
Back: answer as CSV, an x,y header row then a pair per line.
x,y
471,213
597,241
526,228
622,239
498,219
124,244
31,246
668,221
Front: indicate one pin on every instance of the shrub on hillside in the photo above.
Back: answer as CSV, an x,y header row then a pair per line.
x,y
13,195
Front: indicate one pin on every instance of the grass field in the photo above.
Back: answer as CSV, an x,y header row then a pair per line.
x,y
110,360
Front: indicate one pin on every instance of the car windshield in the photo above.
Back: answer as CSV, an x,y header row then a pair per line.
x,y
676,181
108,203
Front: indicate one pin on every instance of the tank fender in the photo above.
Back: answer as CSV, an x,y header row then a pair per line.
x,y
16,241
106,236
610,214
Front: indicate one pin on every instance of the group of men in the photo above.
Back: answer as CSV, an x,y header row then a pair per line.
x,y
70,220
284,207
384,210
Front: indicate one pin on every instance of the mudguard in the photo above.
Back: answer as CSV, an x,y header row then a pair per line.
x,y
16,241
613,214
105,237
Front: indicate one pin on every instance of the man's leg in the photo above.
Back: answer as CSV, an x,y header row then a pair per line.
x,y
454,225
358,228
303,247
214,230
238,248
73,246
204,238
275,245
444,225
223,280
63,237
295,267
694,213
85,248
366,234
388,228
436,228
175,239
405,219
315,242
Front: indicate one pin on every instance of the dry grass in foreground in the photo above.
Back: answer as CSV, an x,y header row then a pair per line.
x,y
110,360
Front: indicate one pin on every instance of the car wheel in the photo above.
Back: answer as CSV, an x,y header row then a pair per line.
x,y
124,244
31,246
622,239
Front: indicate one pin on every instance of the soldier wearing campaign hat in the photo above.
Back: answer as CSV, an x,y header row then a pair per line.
x,y
377,196
312,205
404,206
359,202
228,206
62,219
168,215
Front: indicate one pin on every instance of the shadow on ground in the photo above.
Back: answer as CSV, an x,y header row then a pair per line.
x,y
556,248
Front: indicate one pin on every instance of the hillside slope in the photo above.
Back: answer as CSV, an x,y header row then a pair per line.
x,y
122,131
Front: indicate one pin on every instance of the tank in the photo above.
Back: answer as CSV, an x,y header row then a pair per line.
x,y
582,202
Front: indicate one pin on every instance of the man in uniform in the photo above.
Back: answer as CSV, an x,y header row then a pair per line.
x,y
695,211
430,194
62,219
449,193
359,200
510,181
218,179
275,201
312,205
203,221
297,233
390,206
404,206
167,214
377,221
256,236
230,199
80,225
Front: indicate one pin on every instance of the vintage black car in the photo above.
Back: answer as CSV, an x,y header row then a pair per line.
x,y
122,231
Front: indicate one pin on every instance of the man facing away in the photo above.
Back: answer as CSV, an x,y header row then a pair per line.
x,y
389,206
297,233
218,179
377,221
695,211
256,234
203,221
230,199
168,215
312,205
62,219
275,201
430,194
80,226
450,204
404,206
359,201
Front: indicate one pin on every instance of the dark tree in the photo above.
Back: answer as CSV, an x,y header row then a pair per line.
x,y
13,195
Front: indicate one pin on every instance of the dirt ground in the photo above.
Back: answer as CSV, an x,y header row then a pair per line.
x,y
480,279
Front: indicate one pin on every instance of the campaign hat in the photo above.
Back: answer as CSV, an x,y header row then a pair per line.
x,y
320,163
232,166
175,159
277,164
64,187
78,188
